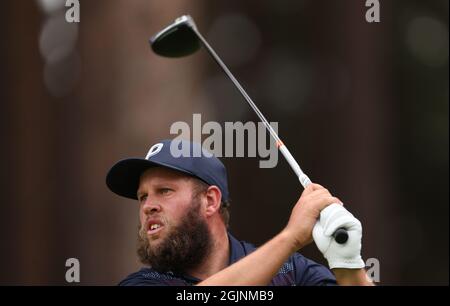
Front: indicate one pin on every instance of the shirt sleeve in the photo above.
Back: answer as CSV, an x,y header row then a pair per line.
x,y
310,273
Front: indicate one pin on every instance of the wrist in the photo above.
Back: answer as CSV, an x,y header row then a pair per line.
x,y
294,240
335,262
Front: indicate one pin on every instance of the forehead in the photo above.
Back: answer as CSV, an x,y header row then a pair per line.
x,y
161,174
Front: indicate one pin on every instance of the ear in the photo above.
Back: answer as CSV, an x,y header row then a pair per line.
x,y
213,199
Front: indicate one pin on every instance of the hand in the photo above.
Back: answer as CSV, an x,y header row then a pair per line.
x,y
347,255
306,212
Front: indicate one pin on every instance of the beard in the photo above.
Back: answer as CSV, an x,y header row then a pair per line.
x,y
183,248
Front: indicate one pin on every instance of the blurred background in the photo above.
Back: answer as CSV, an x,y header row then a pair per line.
x,y
362,106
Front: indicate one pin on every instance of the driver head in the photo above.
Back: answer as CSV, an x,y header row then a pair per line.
x,y
178,39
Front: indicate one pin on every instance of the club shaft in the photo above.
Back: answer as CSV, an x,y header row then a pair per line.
x,y
341,234
304,180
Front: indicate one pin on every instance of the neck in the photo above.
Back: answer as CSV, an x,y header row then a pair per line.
x,y
218,257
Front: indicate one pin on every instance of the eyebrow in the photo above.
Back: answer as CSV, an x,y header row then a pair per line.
x,y
140,192
156,185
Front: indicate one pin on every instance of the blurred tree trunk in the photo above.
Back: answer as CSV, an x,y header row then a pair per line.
x,y
57,151
28,152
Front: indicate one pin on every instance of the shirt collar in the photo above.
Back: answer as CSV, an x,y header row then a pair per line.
x,y
237,251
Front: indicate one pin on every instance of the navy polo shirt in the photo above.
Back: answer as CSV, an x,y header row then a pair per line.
x,y
297,271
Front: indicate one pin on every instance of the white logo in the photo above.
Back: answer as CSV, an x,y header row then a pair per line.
x,y
373,269
240,138
73,273
154,150
373,13
73,13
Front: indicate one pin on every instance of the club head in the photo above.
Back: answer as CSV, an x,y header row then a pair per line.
x,y
177,40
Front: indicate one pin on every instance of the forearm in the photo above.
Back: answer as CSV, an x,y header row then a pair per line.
x,y
352,277
258,268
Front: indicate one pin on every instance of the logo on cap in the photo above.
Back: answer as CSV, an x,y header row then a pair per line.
x,y
154,150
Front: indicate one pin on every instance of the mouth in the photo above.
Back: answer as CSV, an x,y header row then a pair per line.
x,y
154,227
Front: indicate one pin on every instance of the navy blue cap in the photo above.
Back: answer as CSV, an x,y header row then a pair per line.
x,y
181,155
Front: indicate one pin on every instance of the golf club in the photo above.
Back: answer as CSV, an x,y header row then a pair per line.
x,y
181,39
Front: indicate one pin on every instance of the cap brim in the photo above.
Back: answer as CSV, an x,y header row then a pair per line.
x,y
123,178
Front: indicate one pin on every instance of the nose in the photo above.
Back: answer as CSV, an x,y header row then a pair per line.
x,y
150,207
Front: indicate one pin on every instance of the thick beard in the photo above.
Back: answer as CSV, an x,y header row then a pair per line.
x,y
184,248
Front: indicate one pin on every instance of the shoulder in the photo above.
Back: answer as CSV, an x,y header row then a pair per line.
x,y
149,277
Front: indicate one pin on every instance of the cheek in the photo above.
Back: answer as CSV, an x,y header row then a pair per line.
x,y
141,217
175,216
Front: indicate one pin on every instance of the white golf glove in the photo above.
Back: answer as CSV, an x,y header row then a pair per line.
x,y
347,255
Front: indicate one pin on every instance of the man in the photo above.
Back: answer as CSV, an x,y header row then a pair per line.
x,y
183,195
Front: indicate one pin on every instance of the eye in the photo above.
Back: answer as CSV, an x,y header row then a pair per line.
x,y
165,191
142,198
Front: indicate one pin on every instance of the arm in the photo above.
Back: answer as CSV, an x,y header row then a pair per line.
x,y
259,267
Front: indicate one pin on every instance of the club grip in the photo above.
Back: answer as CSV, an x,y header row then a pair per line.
x,y
341,235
